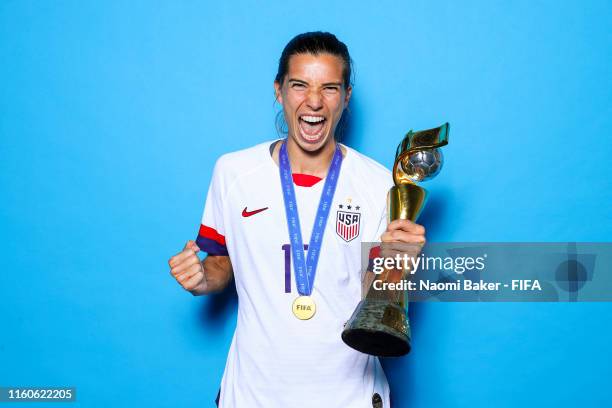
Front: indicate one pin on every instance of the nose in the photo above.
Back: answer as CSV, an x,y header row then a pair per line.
x,y
314,100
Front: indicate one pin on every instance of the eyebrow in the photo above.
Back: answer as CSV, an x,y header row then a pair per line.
x,y
298,81
306,83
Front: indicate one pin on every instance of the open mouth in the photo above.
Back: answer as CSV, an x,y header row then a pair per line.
x,y
312,127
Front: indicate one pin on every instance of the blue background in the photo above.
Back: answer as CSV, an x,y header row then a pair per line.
x,y
113,113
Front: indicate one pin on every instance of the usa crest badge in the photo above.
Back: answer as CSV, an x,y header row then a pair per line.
x,y
348,222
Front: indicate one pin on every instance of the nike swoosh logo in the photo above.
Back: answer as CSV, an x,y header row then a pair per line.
x,y
246,213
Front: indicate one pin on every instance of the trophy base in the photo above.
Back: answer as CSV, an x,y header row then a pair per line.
x,y
379,328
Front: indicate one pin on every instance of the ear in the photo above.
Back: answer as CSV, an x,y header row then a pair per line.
x,y
277,92
347,97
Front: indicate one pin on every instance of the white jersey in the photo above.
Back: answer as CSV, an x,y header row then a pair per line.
x,y
276,360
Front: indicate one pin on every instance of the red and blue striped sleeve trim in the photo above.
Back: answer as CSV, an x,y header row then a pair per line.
x,y
374,253
210,241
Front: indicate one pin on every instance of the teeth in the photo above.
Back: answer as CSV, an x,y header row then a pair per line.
x,y
313,119
311,137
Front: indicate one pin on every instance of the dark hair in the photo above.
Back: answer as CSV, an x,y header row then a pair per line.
x,y
316,42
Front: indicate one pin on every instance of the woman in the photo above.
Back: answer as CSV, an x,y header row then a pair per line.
x,y
294,298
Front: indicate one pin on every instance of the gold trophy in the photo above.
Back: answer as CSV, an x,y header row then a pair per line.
x,y
379,325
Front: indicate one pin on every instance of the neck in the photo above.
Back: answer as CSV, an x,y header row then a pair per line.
x,y
315,163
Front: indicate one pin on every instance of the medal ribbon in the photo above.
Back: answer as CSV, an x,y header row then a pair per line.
x,y
305,269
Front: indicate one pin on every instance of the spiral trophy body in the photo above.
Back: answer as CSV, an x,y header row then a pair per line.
x,y
379,325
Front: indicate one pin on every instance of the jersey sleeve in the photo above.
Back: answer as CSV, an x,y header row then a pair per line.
x,y
374,240
382,226
211,236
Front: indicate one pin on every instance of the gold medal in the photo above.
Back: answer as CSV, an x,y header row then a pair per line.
x,y
304,307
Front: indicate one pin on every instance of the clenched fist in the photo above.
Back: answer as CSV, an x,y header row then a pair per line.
x,y
402,237
188,270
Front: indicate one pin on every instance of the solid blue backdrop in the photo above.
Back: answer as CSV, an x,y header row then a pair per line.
x,y
113,113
